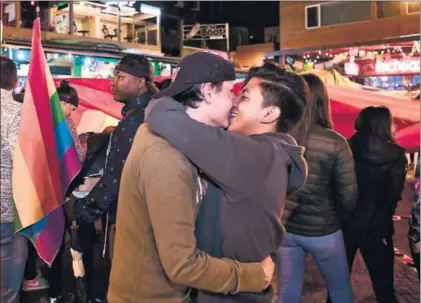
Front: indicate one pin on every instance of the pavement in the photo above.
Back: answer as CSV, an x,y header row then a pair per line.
x,y
407,285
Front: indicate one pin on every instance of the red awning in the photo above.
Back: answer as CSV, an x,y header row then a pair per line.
x,y
409,137
95,95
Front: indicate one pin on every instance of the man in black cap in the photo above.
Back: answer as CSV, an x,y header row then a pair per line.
x,y
156,258
133,86
250,168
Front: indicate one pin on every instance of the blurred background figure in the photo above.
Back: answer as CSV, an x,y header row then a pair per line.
x,y
380,164
315,215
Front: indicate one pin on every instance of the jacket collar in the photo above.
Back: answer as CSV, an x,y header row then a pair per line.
x,y
6,94
139,103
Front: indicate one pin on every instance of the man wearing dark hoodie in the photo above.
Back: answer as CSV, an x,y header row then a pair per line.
x,y
254,165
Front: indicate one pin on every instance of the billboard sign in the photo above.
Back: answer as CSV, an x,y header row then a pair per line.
x,y
205,32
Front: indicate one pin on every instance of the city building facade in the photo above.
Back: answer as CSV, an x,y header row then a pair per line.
x,y
375,42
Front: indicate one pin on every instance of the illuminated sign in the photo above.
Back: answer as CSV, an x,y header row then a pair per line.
x,y
205,32
393,67
406,66
352,69
120,3
150,10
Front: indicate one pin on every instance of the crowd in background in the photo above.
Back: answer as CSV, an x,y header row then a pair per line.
x,y
200,195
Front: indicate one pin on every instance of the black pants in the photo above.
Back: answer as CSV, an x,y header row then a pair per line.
x,y
97,268
378,255
31,263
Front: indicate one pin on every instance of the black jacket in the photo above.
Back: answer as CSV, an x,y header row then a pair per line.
x,y
381,170
254,173
103,197
326,202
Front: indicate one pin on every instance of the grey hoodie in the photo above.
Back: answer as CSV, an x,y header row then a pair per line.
x,y
254,174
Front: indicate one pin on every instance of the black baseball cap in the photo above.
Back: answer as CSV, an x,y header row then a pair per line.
x,y
199,67
138,66
135,65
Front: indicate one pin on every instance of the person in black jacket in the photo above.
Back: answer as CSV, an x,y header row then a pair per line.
x,y
315,215
414,221
133,86
380,165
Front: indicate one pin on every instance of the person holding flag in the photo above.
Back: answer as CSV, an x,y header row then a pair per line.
x,y
45,160
13,246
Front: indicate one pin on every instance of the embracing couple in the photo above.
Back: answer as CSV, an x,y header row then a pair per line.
x,y
200,207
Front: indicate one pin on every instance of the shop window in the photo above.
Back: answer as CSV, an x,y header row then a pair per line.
x,y
312,16
338,12
356,11
59,18
8,13
412,7
331,14
388,9
341,12
147,25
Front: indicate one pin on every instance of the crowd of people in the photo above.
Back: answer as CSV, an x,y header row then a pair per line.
x,y
199,195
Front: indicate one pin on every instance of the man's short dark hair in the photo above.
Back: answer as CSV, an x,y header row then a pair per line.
x,y
284,89
193,95
136,65
8,73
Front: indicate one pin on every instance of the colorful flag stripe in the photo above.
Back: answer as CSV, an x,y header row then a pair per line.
x,y
63,139
38,84
45,159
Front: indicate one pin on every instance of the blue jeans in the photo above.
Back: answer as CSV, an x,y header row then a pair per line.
x,y
330,256
14,252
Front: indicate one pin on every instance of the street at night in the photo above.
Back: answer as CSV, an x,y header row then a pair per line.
x,y
406,281
210,151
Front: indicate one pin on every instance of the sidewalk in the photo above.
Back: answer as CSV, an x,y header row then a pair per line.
x,y
406,284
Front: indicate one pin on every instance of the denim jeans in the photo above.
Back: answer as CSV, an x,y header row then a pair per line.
x,y
328,252
14,252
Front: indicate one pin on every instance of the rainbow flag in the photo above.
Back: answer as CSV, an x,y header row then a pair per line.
x,y
45,160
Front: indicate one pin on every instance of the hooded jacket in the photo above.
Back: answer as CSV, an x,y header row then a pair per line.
x,y
254,174
380,168
103,197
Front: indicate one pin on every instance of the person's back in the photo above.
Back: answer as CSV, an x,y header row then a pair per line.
x,y
320,207
13,247
315,215
137,274
376,165
380,165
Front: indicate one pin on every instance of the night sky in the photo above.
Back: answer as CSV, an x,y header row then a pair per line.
x,y
252,14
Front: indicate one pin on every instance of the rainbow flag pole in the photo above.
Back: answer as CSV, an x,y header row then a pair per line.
x,y
45,160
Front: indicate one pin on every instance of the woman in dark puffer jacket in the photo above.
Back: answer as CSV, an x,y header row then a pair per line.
x,y
380,165
315,215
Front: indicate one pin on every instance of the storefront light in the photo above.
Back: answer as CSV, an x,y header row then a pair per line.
x,y
88,60
21,55
150,10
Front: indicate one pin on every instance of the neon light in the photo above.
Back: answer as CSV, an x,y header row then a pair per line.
x,y
408,65
352,69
